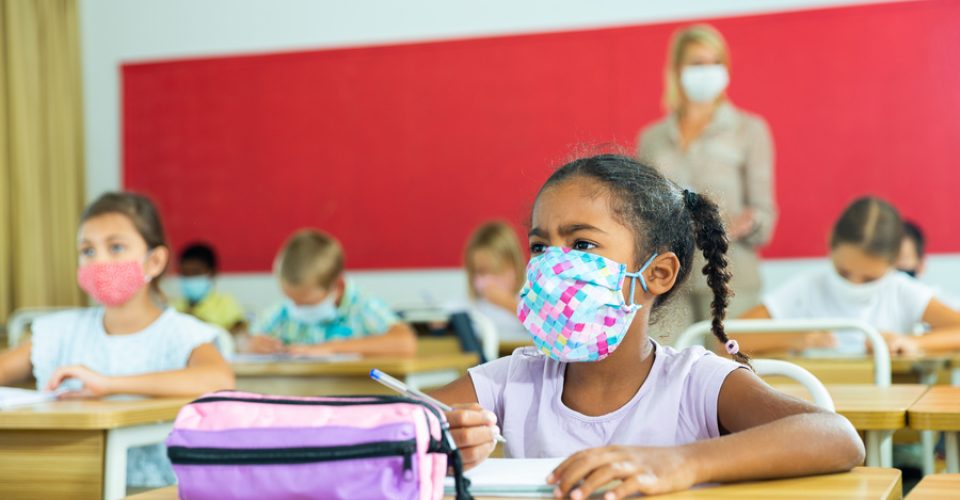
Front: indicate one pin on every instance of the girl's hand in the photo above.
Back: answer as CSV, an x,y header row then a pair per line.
x,y
95,385
264,344
639,470
474,430
820,340
901,345
309,350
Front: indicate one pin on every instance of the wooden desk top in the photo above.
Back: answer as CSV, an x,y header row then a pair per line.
x,y
91,414
860,483
868,407
938,410
361,367
935,487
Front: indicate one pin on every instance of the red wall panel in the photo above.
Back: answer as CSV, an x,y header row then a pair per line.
x,y
401,150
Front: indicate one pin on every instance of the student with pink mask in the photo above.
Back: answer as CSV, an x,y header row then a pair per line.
x,y
133,343
494,263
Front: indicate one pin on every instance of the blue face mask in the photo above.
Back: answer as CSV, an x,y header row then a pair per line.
x,y
195,288
323,312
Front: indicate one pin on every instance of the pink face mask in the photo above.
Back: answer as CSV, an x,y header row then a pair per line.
x,y
506,282
112,283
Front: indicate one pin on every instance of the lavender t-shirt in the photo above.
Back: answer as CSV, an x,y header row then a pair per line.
x,y
677,403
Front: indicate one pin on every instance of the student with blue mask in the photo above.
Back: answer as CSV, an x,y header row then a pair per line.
x,y
323,312
199,296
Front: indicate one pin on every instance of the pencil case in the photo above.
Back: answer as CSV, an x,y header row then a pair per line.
x,y
241,445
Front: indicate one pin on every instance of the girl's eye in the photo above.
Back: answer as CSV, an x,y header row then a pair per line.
x,y
583,245
117,248
537,248
86,252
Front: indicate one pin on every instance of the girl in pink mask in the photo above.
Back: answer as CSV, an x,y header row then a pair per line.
x,y
494,263
611,239
131,344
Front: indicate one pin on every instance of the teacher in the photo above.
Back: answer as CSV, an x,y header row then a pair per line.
x,y
707,145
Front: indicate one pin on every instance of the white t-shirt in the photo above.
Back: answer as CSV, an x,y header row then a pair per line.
x,y
507,324
77,337
896,305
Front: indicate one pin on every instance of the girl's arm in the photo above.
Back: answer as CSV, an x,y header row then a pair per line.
x,y
399,340
944,334
771,435
206,371
472,427
15,364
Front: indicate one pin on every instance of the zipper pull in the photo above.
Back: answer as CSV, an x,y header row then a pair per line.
x,y
408,464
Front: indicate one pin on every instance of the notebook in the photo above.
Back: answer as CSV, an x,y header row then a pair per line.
x,y
11,397
510,477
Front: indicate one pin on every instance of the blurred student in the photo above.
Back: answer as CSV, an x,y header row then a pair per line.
x,y
199,296
324,313
495,267
863,284
132,343
912,259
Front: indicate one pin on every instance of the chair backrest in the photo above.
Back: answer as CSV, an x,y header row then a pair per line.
x,y
487,331
881,355
22,318
771,367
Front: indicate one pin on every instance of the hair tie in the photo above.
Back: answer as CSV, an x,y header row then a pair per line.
x,y
691,199
732,347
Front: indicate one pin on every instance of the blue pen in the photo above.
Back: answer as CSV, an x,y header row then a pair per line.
x,y
410,392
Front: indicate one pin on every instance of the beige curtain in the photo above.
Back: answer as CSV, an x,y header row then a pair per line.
x,y
41,153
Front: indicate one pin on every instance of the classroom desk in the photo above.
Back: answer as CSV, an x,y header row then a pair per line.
x,y
508,346
859,370
77,449
936,487
877,411
939,410
304,378
860,483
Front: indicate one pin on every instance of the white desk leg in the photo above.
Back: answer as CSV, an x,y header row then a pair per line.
x,y
120,440
928,438
879,448
431,379
955,376
953,452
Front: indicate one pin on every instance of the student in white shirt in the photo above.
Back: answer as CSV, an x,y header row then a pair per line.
x,y
495,267
133,344
863,284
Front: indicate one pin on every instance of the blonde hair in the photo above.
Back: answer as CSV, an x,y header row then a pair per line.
x,y
698,33
499,239
310,257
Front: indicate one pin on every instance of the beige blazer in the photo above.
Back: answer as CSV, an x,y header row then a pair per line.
x,y
732,162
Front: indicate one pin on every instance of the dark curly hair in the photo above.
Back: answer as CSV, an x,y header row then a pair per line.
x,y
664,218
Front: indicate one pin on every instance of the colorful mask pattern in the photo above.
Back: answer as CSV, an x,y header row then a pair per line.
x,y
573,305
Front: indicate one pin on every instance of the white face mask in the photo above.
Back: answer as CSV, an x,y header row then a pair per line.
x,y
856,293
323,312
704,82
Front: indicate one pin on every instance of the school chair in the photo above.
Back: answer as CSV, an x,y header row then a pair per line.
x,y
776,367
879,443
22,318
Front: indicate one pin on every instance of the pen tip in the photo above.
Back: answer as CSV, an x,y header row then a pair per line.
x,y
374,372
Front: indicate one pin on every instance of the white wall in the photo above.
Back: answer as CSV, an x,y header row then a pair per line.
x,y
118,31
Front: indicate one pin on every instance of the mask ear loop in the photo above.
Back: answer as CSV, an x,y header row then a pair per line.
x,y
639,276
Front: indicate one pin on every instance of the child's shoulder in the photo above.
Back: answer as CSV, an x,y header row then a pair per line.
x,y
692,362
525,364
62,322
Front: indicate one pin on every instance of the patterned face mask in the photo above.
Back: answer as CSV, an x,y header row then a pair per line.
x,y
573,305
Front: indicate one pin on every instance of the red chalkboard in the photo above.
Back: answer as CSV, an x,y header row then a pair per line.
x,y
401,150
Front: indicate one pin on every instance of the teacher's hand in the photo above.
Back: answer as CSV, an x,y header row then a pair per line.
x,y
742,225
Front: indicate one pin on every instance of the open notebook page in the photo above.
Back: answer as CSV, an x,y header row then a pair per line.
x,y
514,477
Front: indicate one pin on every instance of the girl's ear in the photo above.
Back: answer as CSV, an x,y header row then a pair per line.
x,y
661,274
156,261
